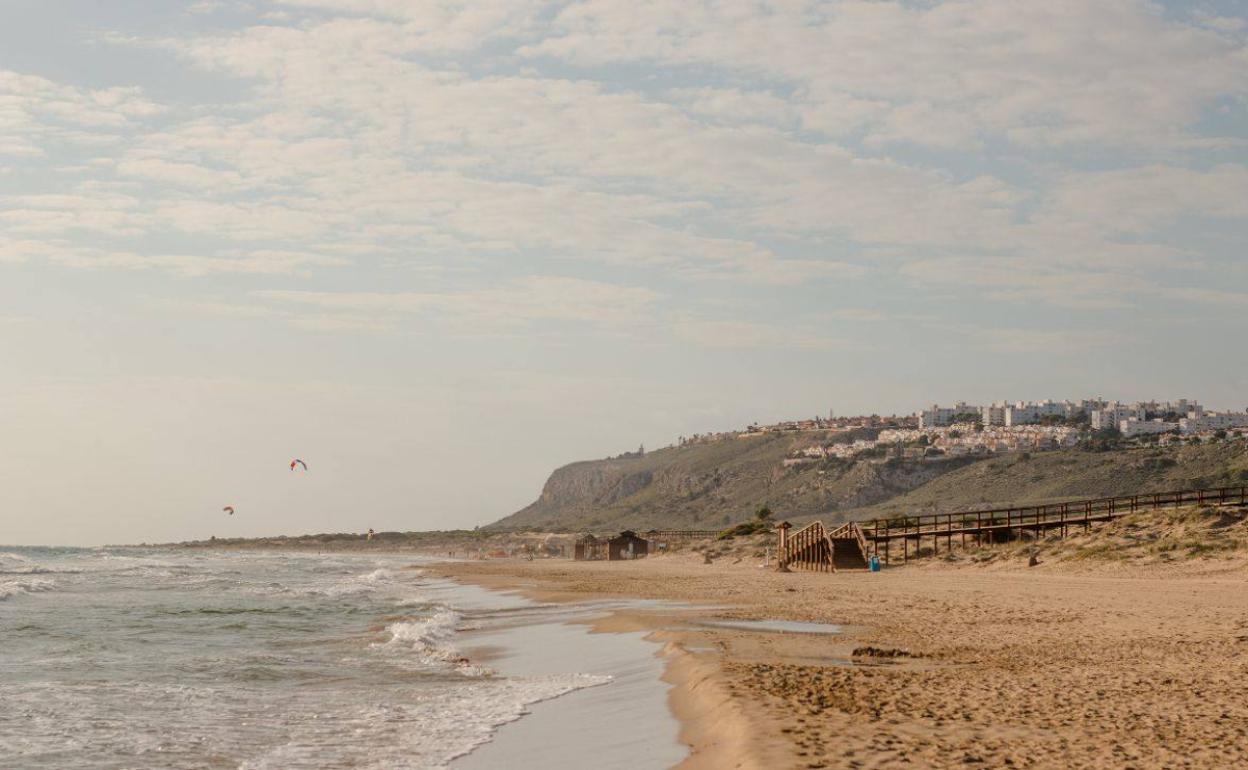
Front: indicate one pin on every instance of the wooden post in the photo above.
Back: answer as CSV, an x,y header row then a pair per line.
x,y
782,553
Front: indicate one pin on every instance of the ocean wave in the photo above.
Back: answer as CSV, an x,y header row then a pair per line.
x,y
14,563
11,588
378,580
378,576
20,564
432,639
457,720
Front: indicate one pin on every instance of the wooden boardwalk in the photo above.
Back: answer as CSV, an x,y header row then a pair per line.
x,y
683,534
816,548
978,527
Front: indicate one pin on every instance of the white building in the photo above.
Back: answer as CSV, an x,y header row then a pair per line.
x,y
1213,421
1132,428
939,416
1032,412
1182,407
1115,413
993,415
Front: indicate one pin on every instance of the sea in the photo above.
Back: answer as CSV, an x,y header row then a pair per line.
x,y
172,659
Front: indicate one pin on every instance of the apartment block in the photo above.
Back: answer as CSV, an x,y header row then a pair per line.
x,y
1131,428
940,416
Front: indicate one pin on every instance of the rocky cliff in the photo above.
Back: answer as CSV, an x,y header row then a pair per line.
x,y
712,486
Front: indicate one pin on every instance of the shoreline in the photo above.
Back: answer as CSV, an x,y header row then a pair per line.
x,y
519,639
937,665
719,730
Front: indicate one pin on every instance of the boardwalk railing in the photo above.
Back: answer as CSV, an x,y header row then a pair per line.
x,y
997,523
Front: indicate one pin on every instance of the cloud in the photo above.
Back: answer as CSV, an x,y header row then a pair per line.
x,y
1141,200
314,321
79,256
1012,279
735,105
525,300
443,25
1042,342
941,73
712,333
29,100
860,314
695,146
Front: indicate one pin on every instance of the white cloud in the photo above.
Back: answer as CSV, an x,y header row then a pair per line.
x,y
1013,279
711,333
378,132
75,255
1058,72
525,300
1141,200
1036,342
735,105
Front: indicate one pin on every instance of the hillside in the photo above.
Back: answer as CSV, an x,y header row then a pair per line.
x,y
709,486
1057,476
1192,539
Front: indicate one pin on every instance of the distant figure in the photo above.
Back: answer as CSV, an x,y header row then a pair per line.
x,y
370,533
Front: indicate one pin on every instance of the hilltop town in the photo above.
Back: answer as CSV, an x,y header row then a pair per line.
x,y
1022,426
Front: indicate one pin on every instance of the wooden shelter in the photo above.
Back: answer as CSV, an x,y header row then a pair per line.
x,y
588,548
627,545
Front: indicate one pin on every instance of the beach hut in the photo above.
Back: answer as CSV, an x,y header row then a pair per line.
x,y
587,548
627,545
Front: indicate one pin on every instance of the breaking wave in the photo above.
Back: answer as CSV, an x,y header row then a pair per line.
x,y
432,640
12,588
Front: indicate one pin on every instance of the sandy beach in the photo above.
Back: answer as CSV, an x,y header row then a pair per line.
x,y
936,665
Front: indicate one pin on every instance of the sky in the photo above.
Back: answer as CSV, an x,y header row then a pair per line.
x,y
437,249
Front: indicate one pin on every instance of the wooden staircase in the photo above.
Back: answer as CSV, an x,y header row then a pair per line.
x,y
808,548
849,547
817,549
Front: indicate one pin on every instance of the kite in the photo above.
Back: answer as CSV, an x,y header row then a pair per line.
x,y
229,509
297,461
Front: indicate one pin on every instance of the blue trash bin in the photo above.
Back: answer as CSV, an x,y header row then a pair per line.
x,y
875,563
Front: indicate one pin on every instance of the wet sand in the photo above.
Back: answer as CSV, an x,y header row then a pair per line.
x,y
518,638
935,666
